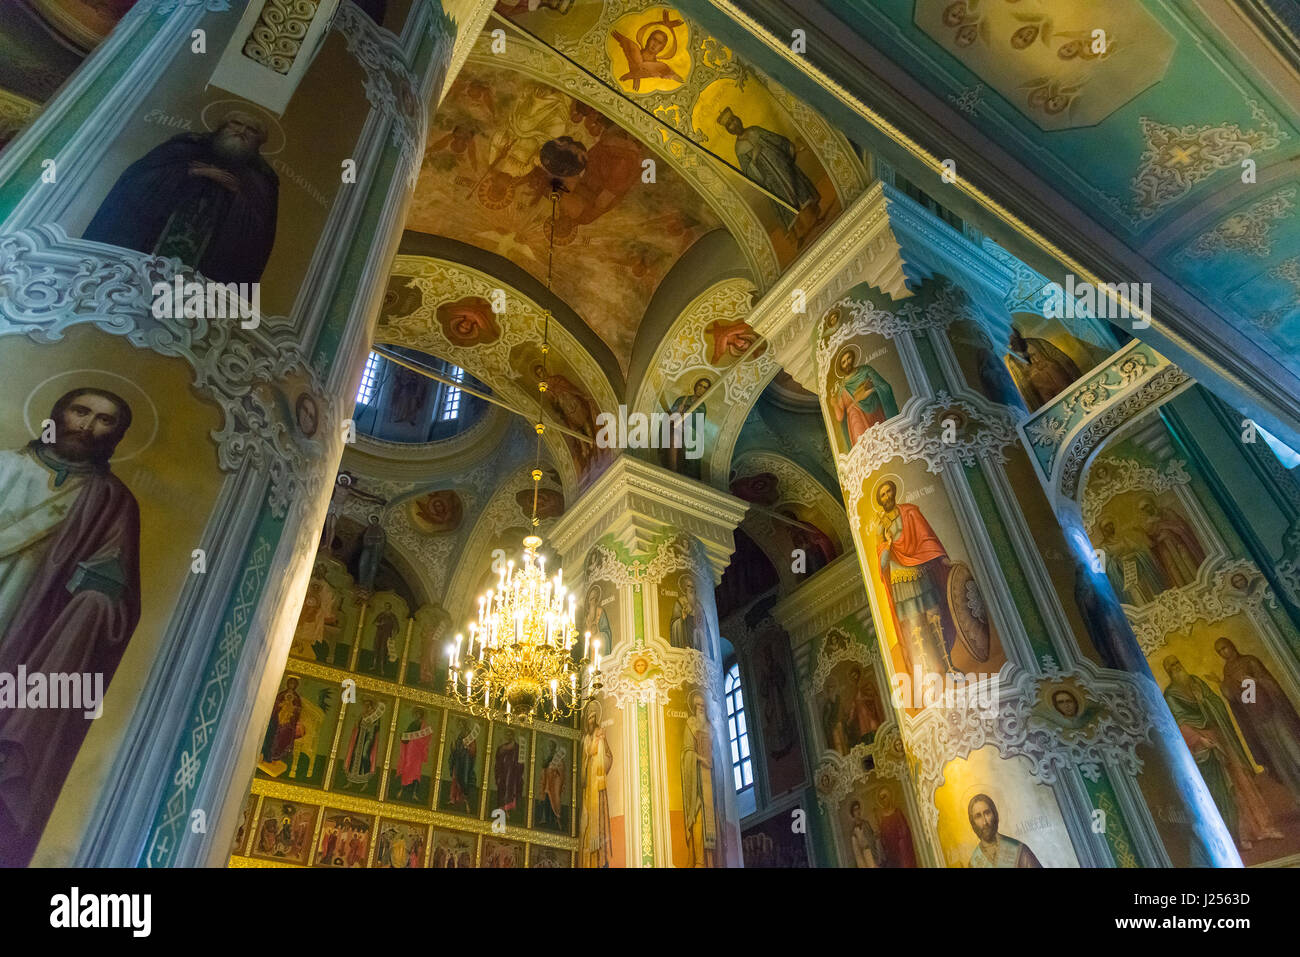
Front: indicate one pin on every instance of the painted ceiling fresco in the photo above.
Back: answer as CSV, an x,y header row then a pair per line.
x,y
688,81
492,151
444,309
1117,133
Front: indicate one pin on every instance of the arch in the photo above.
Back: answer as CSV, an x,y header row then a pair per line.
x,y
444,308
706,341
1065,435
798,494
501,513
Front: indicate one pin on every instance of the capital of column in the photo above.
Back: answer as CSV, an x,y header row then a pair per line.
x,y
887,241
636,501
831,595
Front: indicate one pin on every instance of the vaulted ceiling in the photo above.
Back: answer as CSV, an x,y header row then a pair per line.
x,y
649,171
1128,155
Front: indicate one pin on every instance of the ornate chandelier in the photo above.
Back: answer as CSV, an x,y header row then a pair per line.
x,y
521,659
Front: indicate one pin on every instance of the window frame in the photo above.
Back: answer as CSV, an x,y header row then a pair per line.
x,y
742,755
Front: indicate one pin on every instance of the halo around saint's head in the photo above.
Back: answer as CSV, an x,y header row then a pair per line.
x,y
888,477
215,112
144,414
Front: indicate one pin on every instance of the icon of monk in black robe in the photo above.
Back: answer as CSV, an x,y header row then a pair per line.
x,y
207,199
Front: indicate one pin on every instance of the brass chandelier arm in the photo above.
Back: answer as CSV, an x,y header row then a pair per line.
x,y
447,380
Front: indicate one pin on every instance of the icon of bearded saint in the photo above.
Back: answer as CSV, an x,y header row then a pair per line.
x,y
69,595
208,199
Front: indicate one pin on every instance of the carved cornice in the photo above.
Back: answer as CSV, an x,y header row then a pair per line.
x,y
1065,434
830,596
886,240
636,502
1209,601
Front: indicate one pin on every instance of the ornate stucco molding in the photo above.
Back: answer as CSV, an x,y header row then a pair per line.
x,y
647,675
50,284
1121,475
982,432
636,502
1115,721
886,240
1208,601
391,86
1064,435
828,597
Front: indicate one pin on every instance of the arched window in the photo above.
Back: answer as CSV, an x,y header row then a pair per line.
x,y
742,769
395,404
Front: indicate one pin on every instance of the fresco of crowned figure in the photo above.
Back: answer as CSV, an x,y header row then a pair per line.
x,y
860,397
768,159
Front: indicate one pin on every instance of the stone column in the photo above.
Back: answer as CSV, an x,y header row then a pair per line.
x,y
1020,695
259,169
654,786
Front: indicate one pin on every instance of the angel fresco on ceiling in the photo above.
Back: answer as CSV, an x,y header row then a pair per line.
x,y
650,51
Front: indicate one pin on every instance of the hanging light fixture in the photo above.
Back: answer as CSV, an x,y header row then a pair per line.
x,y
522,660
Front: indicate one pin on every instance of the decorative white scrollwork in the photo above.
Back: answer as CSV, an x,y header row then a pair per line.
x,y
647,675
50,283
983,432
391,86
1114,722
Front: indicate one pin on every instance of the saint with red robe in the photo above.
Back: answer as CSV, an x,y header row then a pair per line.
x,y
411,755
913,568
69,595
